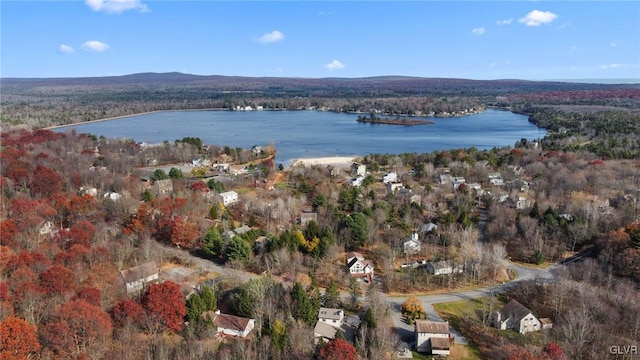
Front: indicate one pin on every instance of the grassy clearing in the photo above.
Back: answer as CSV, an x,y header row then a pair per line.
x,y
455,312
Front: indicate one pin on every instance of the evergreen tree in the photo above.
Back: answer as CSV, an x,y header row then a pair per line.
x,y
213,243
175,173
331,297
302,307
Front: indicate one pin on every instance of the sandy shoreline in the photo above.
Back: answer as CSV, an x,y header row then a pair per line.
x,y
329,160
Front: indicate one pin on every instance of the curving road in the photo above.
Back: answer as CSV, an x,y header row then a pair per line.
x,y
406,331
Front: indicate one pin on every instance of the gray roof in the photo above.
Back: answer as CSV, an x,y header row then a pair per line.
x,y
330,313
139,272
515,310
431,327
325,330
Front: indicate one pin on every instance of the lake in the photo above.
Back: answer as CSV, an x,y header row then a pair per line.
x,y
303,134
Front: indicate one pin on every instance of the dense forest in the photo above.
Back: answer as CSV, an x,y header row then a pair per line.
x,y
77,209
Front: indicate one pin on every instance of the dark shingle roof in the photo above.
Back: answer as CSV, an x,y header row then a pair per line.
x,y
431,327
515,310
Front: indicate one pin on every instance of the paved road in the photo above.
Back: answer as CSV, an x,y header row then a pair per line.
x,y
406,332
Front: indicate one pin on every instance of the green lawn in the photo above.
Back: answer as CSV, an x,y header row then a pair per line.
x,y
456,311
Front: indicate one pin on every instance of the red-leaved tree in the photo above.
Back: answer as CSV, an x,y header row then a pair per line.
x,y
18,339
338,350
57,280
76,328
553,351
165,302
45,181
126,312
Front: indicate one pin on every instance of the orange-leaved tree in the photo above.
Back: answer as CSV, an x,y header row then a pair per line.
x,y
18,339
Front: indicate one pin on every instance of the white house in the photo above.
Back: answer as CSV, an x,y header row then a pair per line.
x,y
230,325
390,177
457,181
358,169
357,181
333,317
432,337
495,179
357,266
412,245
394,186
113,196
134,279
228,198
516,316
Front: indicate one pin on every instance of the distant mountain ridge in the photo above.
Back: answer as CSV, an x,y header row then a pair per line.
x,y
376,86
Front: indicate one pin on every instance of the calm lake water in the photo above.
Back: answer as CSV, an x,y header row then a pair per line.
x,y
299,134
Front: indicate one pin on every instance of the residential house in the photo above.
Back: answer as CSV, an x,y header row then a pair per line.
x,y
412,245
357,181
330,321
324,331
257,150
228,198
495,179
333,317
457,181
162,187
475,187
394,186
433,337
358,169
89,191
230,325
408,196
242,229
443,267
517,317
427,228
113,196
47,228
358,267
307,217
523,202
136,278
390,177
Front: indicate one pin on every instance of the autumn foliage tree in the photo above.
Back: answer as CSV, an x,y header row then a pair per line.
x,y
45,181
412,308
126,312
77,328
164,302
57,280
18,339
338,350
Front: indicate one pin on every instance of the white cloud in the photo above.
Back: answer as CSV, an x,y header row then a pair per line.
x,y
537,17
334,65
504,22
95,46
116,6
613,44
478,31
612,66
271,37
65,49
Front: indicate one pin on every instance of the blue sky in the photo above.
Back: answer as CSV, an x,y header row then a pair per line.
x,y
459,39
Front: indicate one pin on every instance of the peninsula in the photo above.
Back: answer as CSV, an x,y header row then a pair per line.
x,y
397,121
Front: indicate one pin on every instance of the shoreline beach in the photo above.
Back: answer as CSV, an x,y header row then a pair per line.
x,y
338,161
